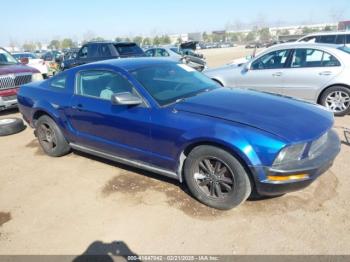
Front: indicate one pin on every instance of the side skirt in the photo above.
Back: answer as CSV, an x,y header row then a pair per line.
x,y
129,162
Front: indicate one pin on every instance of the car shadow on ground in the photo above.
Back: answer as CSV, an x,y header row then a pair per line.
x,y
107,252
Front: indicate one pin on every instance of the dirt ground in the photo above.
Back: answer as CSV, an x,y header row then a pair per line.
x,y
79,203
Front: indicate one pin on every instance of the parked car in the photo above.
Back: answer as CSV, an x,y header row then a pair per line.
x,y
32,60
97,51
12,75
336,38
185,56
165,117
52,60
315,72
254,45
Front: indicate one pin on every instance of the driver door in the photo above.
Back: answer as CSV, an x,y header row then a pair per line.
x,y
265,73
100,125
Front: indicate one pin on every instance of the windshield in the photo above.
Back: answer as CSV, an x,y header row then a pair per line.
x,y
168,83
344,49
24,55
6,58
127,49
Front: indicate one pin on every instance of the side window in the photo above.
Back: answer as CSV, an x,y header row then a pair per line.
x,y
328,39
312,58
83,52
93,50
150,52
58,82
340,39
105,51
101,84
329,60
309,39
161,52
273,60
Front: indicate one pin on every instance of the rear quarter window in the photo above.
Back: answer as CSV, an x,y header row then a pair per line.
x,y
58,83
128,49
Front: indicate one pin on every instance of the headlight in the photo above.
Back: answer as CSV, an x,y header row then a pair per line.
x,y
317,145
37,77
290,153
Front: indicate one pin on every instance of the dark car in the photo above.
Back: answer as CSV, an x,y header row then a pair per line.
x,y
12,75
165,117
97,51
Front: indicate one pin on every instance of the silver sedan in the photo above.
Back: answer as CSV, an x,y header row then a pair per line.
x,y
315,72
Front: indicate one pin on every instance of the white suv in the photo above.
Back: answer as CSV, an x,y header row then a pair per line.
x,y
336,38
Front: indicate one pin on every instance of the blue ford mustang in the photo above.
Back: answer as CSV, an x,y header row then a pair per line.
x,y
167,118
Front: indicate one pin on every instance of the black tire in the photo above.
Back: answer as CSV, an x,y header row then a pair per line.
x,y
50,137
10,126
201,189
330,93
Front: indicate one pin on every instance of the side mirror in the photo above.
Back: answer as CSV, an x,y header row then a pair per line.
x,y
24,60
126,98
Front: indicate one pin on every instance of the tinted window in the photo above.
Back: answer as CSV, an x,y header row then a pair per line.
x,y
161,52
83,52
6,58
312,58
343,39
167,83
58,82
309,39
150,52
273,60
328,39
93,50
128,49
101,84
104,51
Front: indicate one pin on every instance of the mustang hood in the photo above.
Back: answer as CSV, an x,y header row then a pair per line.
x,y
287,118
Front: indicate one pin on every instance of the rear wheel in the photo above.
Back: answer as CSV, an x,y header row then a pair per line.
x,y
216,178
51,138
337,99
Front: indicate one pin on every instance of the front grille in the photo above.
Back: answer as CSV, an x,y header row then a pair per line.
x,y
14,80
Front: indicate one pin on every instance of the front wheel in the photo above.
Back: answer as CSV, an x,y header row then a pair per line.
x,y
51,138
216,178
337,99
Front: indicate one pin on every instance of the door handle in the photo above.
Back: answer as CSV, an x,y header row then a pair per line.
x,y
277,74
325,73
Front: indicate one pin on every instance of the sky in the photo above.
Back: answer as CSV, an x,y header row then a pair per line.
x,y
43,20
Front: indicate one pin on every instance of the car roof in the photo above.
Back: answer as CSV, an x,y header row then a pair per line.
x,y
110,42
130,64
328,33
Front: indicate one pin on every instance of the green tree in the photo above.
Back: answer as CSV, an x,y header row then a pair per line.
x,y
165,39
39,45
206,37
29,47
156,41
54,44
251,36
127,39
138,40
327,28
307,30
264,34
147,41
67,43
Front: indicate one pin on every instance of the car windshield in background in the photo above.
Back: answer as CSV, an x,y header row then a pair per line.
x,y
344,49
6,58
127,49
19,56
168,83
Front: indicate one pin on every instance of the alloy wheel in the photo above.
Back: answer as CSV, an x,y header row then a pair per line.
x,y
337,101
214,178
47,137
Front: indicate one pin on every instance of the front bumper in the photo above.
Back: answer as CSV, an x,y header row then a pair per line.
x,y
313,168
8,99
